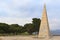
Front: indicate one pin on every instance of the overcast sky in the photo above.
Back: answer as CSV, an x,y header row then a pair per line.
x,y
22,11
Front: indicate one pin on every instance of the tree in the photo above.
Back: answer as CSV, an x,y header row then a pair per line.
x,y
15,28
33,27
4,28
29,28
36,23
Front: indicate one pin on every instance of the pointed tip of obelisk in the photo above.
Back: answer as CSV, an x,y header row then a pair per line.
x,y
44,10
44,5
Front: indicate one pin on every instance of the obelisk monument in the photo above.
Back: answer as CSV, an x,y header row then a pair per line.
x,y
44,31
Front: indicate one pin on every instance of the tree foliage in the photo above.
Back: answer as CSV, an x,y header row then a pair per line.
x,y
29,28
18,29
15,28
36,23
4,28
34,26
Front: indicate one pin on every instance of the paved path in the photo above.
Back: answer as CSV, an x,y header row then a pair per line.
x,y
26,38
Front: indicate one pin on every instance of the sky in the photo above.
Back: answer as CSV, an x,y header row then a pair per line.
x,y
22,11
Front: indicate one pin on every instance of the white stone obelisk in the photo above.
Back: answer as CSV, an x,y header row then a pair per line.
x,y
44,31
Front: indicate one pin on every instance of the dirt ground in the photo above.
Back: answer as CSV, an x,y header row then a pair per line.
x,y
26,38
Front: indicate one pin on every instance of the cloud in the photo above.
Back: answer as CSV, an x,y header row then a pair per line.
x,y
17,11
20,21
22,11
18,8
54,23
